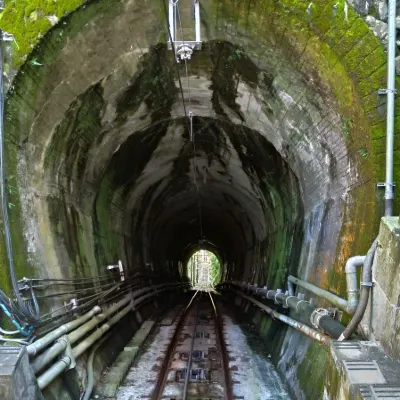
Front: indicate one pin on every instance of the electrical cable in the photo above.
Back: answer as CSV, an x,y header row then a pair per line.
x,y
31,315
191,134
20,341
4,332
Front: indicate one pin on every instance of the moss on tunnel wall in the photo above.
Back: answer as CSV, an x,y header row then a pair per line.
x,y
340,51
29,20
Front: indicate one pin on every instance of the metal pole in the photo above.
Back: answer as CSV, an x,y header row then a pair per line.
x,y
171,20
389,194
197,19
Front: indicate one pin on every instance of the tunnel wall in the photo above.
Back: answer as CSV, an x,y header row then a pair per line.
x,y
324,118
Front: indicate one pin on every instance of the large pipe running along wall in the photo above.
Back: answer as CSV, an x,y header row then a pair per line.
x,y
288,144
317,317
81,327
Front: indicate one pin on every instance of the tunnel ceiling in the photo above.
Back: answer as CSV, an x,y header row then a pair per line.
x,y
99,133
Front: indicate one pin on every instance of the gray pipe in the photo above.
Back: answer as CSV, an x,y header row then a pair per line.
x,y
287,320
83,328
89,369
56,369
40,344
318,318
391,87
58,347
352,284
332,298
366,285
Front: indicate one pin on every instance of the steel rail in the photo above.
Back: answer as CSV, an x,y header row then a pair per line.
x,y
224,352
190,357
157,394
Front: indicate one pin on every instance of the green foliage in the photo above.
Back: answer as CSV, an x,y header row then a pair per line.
x,y
347,125
28,21
363,153
215,273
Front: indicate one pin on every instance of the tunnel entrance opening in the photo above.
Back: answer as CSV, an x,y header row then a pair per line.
x,y
204,269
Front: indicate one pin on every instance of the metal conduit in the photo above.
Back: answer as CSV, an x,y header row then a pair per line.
x,y
64,363
40,344
332,298
320,318
58,347
312,333
62,343
390,91
350,305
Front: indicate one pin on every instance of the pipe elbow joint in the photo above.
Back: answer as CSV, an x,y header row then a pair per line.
x,y
354,262
351,308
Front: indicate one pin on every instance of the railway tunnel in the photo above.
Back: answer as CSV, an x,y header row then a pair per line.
x,y
264,147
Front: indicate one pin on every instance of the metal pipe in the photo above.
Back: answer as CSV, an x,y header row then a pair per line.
x,y
77,334
98,333
171,20
287,320
40,344
56,369
40,362
320,318
352,284
290,288
197,20
332,298
58,347
47,377
89,369
366,285
391,90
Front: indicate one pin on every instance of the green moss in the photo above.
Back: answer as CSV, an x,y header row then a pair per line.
x,y
27,21
311,373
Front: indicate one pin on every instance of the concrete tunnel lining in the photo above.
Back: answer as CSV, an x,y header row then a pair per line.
x,y
289,114
98,143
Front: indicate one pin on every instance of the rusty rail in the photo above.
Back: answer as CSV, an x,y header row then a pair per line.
x,y
157,394
225,381
224,353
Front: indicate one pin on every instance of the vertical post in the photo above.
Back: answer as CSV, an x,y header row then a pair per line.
x,y
197,19
172,20
389,193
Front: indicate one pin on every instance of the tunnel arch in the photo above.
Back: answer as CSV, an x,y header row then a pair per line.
x,y
94,134
120,95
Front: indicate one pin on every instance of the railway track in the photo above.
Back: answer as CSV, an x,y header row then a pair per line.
x,y
196,361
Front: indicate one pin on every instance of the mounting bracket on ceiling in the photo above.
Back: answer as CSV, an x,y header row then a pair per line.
x,y
184,48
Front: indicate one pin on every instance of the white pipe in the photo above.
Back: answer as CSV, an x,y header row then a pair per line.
x,y
197,19
287,320
40,344
325,294
352,285
56,369
171,20
391,73
58,347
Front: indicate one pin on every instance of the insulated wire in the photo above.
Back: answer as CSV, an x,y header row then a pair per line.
x,y
31,315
